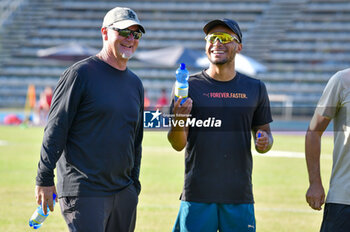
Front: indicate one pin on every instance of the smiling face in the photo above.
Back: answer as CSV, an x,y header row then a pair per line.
x,y
218,53
121,47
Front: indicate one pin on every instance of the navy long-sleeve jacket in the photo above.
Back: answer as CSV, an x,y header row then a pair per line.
x,y
94,131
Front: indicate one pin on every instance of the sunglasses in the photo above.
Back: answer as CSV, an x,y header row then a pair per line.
x,y
222,37
126,32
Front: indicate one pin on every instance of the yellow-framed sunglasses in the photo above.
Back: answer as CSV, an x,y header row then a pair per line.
x,y
222,37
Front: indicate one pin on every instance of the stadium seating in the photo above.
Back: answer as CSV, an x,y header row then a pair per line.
x,y
302,42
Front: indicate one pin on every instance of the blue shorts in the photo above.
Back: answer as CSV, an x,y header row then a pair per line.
x,y
211,217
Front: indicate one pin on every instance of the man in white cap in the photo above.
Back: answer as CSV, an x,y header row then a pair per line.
x,y
94,134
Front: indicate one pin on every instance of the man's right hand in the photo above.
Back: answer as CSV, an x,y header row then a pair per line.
x,y
44,196
184,109
177,135
315,196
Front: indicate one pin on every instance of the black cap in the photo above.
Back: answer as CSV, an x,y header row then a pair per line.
x,y
231,24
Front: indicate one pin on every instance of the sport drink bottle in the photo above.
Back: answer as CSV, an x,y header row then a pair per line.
x,y
38,217
181,84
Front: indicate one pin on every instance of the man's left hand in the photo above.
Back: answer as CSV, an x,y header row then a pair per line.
x,y
262,141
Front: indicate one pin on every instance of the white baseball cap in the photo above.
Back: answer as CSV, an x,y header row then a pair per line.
x,y
122,17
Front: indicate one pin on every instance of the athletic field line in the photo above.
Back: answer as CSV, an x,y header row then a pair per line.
x,y
271,154
287,210
288,154
257,208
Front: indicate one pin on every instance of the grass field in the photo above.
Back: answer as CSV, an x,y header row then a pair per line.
x,y
279,184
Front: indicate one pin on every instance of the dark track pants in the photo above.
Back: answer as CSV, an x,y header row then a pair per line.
x,y
116,213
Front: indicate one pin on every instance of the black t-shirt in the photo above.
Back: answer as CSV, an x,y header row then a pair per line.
x,y
218,160
94,131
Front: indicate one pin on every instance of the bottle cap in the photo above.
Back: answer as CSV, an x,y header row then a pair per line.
x,y
182,66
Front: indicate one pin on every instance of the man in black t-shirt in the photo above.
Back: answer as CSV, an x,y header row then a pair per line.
x,y
223,109
94,134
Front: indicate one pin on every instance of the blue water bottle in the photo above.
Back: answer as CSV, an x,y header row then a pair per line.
x,y
181,84
38,217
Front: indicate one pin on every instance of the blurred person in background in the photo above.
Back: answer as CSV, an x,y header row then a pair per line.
x,y
217,193
94,134
43,106
147,101
163,102
334,104
163,99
